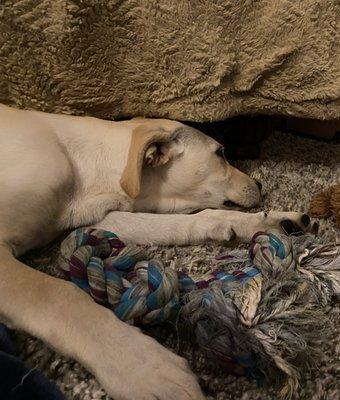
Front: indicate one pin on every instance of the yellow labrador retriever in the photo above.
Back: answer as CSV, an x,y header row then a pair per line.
x,y
60,172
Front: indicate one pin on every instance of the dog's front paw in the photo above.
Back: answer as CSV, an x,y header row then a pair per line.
x,y
226,225
289,223
133,366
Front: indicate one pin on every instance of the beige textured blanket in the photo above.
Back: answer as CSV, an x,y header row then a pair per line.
x,y
187,60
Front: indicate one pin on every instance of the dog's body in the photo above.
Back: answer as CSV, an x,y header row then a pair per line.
x,y
60,172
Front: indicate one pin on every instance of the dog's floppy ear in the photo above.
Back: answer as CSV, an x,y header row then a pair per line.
x,y
151,145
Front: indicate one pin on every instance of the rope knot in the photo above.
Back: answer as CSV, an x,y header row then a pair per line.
x,y
153,295
112,273
271,254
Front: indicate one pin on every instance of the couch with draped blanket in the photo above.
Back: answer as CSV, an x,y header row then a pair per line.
x,y
188,60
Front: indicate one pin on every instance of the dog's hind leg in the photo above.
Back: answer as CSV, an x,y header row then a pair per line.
x,y
128,364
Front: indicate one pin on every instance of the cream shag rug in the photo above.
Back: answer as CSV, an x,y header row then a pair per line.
x,y
292,169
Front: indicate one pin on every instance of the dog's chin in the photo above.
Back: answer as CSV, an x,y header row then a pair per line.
x,y
226,205
243,203
230,205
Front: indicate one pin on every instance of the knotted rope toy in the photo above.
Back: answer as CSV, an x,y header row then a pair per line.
x,y
261,318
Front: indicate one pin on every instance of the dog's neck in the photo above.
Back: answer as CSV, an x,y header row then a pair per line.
x,y
97,151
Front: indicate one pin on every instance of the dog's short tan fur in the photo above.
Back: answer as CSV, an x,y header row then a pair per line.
x,y
59,172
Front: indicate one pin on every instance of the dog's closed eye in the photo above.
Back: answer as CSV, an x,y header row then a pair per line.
x,y
220,152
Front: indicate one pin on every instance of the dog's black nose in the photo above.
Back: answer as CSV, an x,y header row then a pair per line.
x,y
305,220
259,184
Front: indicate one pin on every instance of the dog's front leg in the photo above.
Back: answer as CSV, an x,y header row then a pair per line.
x,y
165,229
90,209
180,229
130,365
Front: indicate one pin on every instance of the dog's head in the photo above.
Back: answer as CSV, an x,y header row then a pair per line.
x,y
172,167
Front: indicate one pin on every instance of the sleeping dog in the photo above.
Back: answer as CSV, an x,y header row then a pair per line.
x,y
142,179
